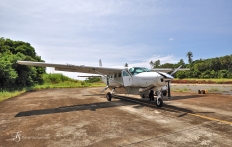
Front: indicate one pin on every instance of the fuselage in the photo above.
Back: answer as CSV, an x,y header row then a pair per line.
x,y
131,81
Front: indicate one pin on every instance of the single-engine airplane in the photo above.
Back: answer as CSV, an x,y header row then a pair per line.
x,y
136,80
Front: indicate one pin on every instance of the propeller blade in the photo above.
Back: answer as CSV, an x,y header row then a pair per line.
x,y
166,76
176,70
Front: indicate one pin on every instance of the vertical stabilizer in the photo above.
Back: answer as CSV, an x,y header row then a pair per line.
x,y
100,63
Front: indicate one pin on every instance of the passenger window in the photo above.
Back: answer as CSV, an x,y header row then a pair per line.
x,y
125,73
119,75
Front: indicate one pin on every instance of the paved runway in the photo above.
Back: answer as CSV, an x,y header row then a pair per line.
x,y
83,117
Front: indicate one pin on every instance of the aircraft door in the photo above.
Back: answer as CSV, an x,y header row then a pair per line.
x,y
127,80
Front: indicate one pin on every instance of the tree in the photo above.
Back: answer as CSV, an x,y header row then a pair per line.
x,y
151,64
189,55
12,75
181,62
157,63
126,65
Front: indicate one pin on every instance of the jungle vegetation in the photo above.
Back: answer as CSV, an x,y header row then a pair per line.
x,y
213,68
12,75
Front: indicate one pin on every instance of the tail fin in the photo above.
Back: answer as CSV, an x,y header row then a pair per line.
x,y
100,63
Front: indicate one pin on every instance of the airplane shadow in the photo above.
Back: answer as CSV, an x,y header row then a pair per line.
x,y
165,106
122,101
94,95
184,97
82,107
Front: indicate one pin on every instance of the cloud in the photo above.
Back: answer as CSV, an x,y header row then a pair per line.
x,y
145,62
171,39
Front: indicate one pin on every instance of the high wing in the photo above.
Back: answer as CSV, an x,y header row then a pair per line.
x,y
75,68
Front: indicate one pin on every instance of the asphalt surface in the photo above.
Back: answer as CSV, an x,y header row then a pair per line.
x,y
83,117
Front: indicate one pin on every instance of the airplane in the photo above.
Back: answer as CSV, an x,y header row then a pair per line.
x,y
135,80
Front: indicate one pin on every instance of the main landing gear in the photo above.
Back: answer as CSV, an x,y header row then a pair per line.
x,y
109,95
159,100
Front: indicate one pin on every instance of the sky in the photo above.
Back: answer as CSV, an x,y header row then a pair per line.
x,y
136,32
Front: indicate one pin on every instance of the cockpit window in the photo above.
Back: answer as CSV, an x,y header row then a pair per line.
x,y
137,70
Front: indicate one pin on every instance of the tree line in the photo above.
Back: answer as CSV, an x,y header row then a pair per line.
x,y
12,75
218,67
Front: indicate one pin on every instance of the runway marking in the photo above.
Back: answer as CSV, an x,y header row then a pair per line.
x,y
211,118
196,115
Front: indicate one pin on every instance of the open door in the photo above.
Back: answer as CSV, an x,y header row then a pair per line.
x,y
127,80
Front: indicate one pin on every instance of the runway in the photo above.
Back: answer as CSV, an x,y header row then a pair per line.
x,y
83,117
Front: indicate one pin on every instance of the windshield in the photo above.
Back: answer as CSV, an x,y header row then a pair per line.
x,y
137,70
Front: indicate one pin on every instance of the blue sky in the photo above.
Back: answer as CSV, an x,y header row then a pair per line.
x,y
119,31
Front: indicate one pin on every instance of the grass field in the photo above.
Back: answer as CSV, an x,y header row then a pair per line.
x,y
203,81
51,81
214,80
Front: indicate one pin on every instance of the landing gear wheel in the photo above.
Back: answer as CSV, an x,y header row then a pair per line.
x,y
164,93
108,96
159,102
142,96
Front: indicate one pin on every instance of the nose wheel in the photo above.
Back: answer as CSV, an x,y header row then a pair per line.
x,y
159,102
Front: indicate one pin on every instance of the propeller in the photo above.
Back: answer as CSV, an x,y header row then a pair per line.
x,y
167,78
169,82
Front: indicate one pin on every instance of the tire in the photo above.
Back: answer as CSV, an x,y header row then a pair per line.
x,y
142,96
108,96
151,95
164,93
159,102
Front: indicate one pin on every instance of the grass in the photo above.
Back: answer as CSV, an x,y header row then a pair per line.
x,y
5,94
51,81
181,90
214,80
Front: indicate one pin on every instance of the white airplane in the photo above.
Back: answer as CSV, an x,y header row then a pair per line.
x,y
135,80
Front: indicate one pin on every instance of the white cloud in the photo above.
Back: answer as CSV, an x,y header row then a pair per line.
x,y
163,59
171,39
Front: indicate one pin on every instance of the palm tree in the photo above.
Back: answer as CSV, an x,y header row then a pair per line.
x,y
152,64
126,65
189,55
157,63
